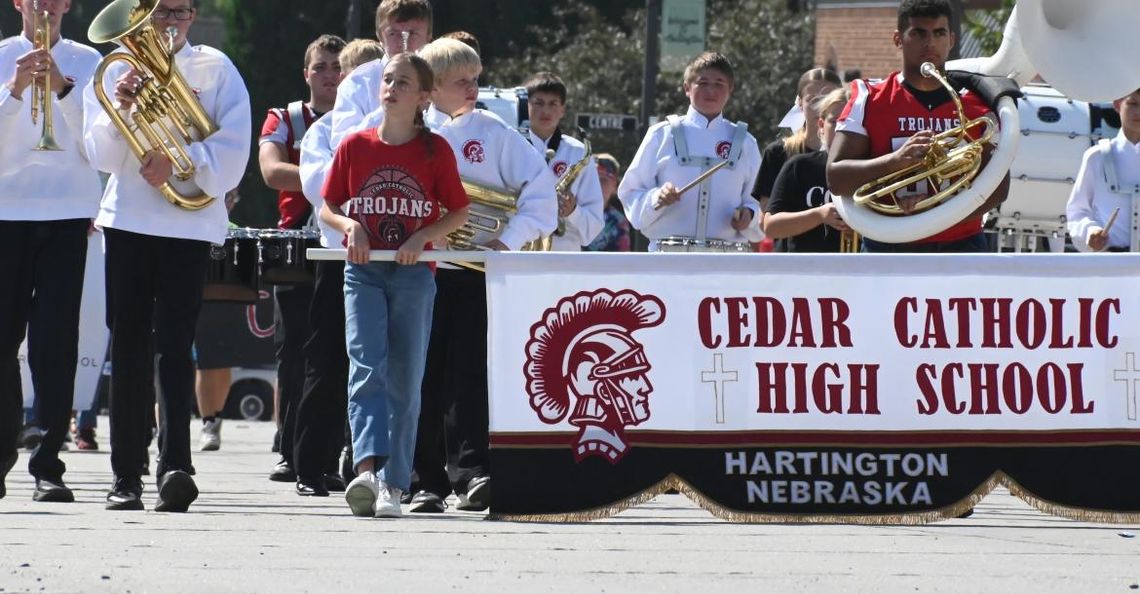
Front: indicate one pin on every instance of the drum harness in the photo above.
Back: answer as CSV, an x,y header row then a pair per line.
x,y
1105,148
681,146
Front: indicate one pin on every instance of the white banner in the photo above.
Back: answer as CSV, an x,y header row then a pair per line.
x,y
93,333
668,343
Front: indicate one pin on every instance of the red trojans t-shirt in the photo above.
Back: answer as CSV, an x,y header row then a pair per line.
x,y
888,113
393,190
292,206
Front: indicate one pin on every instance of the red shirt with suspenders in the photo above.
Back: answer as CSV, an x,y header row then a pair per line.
x,y
888,113
287,127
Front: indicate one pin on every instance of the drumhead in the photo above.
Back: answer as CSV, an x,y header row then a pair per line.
x,y
1056,132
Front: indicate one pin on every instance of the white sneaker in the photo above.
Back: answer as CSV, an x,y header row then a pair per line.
x,y
211,440
361,494
388,503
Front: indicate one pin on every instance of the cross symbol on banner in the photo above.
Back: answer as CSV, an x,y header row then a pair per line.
x,y
1130,376
718,377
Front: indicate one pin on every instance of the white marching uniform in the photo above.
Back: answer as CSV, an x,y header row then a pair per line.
x,y
1109,179
357,96
129,202
492,154
588,218
46,185
678,150
316,156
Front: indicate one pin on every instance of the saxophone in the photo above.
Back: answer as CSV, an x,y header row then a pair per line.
x,y
567,180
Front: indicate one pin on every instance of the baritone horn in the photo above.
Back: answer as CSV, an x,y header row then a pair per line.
x,y
166,115
490,211
954,159
41,89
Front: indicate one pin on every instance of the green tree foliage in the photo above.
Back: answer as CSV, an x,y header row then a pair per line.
x,y
269,53
980,24
602,61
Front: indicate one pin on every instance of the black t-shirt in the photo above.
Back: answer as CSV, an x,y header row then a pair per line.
x,y
802,185
771,161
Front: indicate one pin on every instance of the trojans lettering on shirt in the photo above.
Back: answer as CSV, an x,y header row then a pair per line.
x,y
936,125
391,205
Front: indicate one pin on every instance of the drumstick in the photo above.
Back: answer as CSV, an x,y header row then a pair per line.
x,y
696,182
1111,219
390,255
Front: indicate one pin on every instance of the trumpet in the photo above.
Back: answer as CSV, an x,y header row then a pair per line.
x,y
167,113
41,89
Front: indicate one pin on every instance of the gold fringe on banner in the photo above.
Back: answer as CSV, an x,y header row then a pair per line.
x,y
1083,514
904,519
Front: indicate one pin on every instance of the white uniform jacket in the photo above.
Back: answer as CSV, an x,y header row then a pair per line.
x,y
357,96
587,220
494,155
46,185
1095,194
316,156
704,212
129,202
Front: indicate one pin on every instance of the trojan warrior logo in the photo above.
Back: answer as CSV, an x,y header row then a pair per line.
x,y
473,151
722,149
559,168
584,366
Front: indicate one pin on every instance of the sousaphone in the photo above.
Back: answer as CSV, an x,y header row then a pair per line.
x,y
1088,50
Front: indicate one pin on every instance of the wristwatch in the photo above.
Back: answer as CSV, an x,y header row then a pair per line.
x,y
69,84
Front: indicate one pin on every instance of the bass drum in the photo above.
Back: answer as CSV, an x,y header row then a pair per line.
x,y
509,104
1056,131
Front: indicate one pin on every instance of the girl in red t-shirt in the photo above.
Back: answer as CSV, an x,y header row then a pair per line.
x,y
386,189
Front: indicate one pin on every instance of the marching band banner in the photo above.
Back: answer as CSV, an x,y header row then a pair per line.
x,y
802,388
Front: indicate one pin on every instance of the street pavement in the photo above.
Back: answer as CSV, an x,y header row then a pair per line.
x,y
247,534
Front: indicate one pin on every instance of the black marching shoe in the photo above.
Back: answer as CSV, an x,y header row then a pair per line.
x,y
426,502
176,491
5,468
283,472
478,495
334,483
311,488
52,491
125,495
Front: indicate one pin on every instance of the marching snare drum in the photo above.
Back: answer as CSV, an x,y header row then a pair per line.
x,y
676,244
1056,131
281,255
232,272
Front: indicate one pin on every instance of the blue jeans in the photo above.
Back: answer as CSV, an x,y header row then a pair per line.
x,y
387,309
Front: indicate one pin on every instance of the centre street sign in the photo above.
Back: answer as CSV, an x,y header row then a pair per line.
x,y
607,121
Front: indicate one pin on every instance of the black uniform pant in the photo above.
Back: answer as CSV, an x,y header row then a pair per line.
x,y
291,318
323,408
456,375
152,283
41,289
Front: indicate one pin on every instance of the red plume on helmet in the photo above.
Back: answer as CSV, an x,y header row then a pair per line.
x,y
553,339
